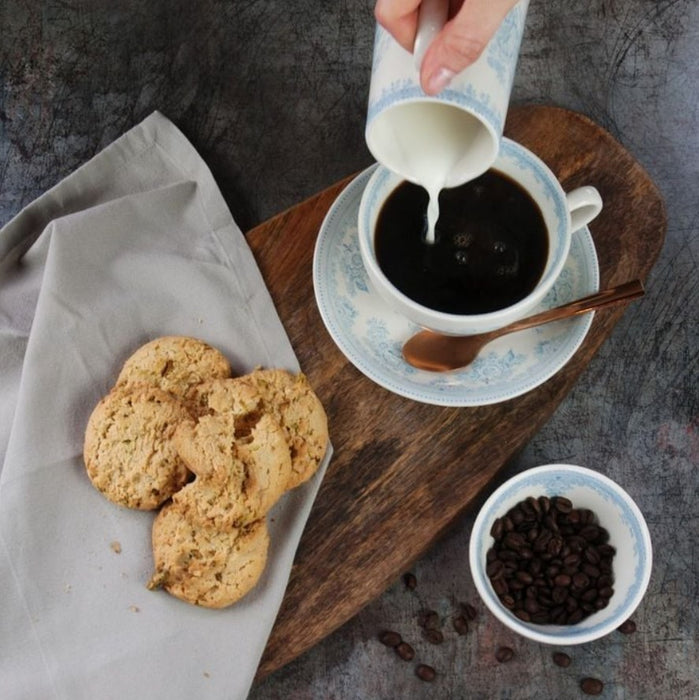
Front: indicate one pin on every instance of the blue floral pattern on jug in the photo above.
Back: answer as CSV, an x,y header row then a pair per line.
x,y
501,53
370,334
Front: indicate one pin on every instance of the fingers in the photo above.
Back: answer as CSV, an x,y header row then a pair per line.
x,y
399,17
461,41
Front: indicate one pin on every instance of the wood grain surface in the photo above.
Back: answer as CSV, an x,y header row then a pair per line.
x,y
403,471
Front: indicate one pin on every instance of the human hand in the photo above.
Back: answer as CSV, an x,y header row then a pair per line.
x,y
460,42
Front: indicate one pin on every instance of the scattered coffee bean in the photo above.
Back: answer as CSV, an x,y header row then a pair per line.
x,y
389,638
504,654
425,673
460,624
469,611
591,686
410,581
550,563
561,659
428,619
627,627
405,651
433,636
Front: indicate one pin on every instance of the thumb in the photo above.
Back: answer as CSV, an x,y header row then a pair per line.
x,y
461,41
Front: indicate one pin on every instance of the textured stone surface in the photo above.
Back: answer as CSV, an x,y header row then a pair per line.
x,y
273,94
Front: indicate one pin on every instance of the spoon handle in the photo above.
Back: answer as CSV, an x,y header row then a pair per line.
x,y
623,292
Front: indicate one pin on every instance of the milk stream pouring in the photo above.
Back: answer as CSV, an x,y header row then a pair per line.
x,y
444,140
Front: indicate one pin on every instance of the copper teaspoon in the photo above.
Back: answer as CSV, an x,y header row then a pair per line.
x,y
439,353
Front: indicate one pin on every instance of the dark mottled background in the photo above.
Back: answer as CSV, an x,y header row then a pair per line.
x,y
273,94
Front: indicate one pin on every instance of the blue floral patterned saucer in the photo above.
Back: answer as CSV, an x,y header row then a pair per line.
x,y
371,335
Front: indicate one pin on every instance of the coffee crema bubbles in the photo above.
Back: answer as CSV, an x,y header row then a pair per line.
x,y
550,563
490,250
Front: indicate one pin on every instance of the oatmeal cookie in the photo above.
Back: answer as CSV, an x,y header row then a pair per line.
x,y
205,566
238,477
175,364
128,450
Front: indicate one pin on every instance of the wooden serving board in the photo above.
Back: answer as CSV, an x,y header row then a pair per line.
x,y
403,471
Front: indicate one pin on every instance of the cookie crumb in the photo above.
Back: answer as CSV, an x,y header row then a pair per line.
x,y
115,546
134,608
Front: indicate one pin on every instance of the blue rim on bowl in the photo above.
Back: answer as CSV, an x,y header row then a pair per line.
x,y
616,511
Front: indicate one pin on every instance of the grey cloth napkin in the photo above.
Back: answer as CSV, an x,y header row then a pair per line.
x,y
137,243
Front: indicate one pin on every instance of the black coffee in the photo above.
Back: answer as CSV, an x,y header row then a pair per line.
x,y
489,252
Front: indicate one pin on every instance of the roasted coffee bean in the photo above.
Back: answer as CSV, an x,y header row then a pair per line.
x,y
469,611
508,601
507,556
433,636
562,580
627,627
516,515
495,569
428,619
589,596
514,541
562,504
590,532
571,560
460,624
575,617
532,534
592,555
523,615
591,571
574,516
559,594
497,529
531,606
524,577
410,581
606,550
534,504
542,540
504,654
591,686
606,592
405,651
425,673
561,659
550,522
389,638
500,586
581,580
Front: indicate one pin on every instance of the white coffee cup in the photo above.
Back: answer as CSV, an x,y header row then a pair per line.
x,y
563,214
453,136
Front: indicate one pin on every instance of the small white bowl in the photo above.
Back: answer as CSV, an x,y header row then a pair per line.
x,y
616,512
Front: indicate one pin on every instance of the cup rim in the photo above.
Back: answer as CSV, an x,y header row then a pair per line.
x,y
531,631
462,322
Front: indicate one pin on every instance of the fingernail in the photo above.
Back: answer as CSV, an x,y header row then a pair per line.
x,y
439,80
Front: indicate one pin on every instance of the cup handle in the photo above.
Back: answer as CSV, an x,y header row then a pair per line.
x,y
584,204
432,16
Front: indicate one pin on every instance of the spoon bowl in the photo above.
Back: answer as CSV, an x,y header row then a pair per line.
x,y
436,352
